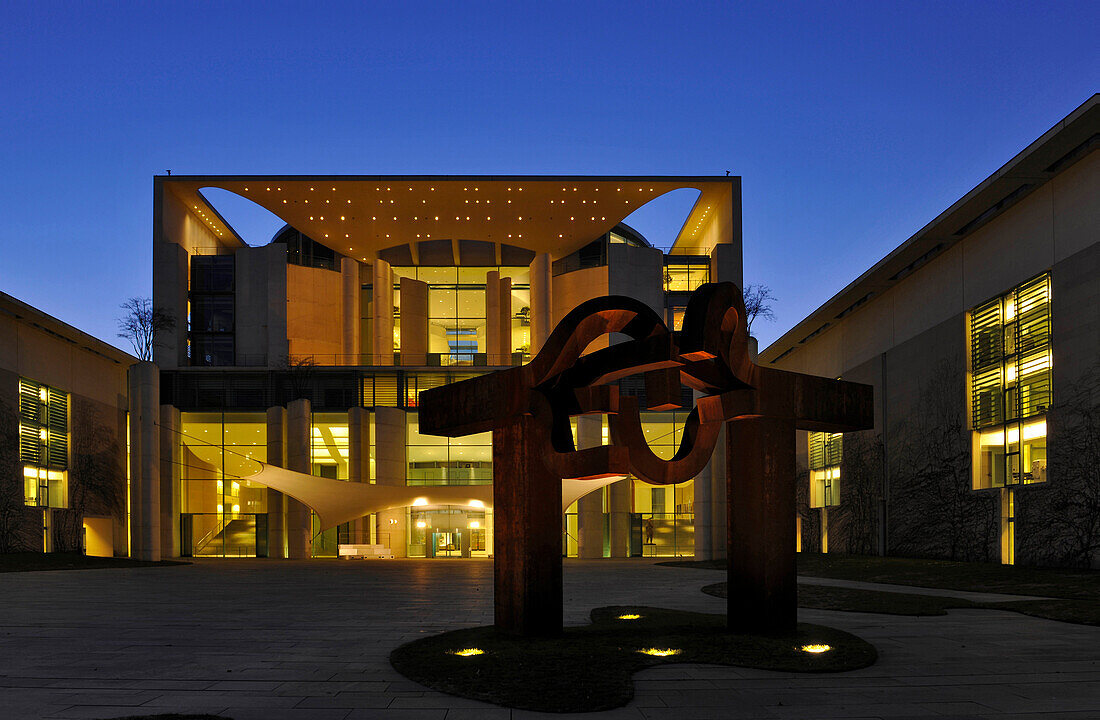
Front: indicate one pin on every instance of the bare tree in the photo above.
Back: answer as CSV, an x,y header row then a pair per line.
x,y
1058,522
811,519
758,304
934,511
861,481
140,324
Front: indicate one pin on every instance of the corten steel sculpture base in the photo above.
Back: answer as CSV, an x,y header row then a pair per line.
x,y
528,410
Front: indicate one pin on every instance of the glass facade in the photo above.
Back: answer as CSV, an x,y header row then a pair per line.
x,y
1010,385
223,514
210,305
457,325
435,460
44,444
663,521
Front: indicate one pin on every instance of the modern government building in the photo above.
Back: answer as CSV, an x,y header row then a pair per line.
x,y
980,335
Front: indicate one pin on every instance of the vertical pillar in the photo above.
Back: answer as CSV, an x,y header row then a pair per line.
x,y
171,455
276,502
619,502
144,397
527,525
703,506
504,321
359,463
391,464
541,308
492,316
590,506
762,587
718,496
299,423
349,272
382,311
414,322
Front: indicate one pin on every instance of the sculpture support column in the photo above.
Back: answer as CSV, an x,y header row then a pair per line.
x,y
299,423
526,513
762,589
703,505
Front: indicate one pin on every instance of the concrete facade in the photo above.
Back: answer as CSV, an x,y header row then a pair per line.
x,y
330,341
904,327
92,377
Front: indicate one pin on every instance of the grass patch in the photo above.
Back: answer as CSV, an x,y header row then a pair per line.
x,y
590,668
825,597
36,561
946,574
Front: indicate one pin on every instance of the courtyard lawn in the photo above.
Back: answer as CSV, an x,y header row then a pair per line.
x,y
590,668
1069,595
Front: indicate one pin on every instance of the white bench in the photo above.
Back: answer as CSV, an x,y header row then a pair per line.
x,y
364,551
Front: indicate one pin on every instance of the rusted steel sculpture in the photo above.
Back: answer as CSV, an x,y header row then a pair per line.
x,y
528,410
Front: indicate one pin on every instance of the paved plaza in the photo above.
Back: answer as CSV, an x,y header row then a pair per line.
x,y
256,639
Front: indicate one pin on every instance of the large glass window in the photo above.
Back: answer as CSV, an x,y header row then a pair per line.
x,y
329,445
685,274
44,444
434,460
223,513
211,317
663,524
1010,385
825,454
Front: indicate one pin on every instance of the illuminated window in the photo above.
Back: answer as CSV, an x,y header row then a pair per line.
x,y
1010,385
825,453
684,274
44,444
435,460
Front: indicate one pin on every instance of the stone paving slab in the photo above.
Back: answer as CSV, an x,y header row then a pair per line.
x,y
310,641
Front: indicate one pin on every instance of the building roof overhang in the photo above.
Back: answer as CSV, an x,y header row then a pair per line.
x,y
361,216
1065,143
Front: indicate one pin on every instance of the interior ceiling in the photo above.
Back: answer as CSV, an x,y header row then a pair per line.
x,y
359,216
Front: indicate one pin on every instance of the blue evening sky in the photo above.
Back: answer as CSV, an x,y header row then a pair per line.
x,y
852,124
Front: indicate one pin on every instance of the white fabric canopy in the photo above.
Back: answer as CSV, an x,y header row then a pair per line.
x,y
340,501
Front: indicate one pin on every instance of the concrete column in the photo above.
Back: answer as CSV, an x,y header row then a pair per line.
x,y
492,316
542,318
414,322
504,310
299,423
590,507
718,480
703,505
144,397
276,502
171,457
390,465
619,501
382,311
359,462
349,271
